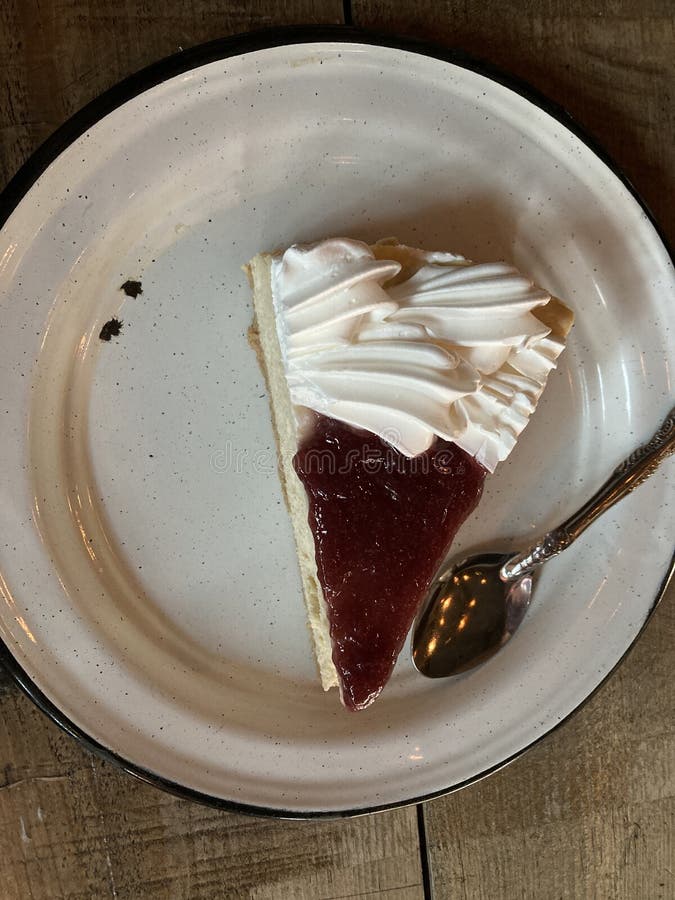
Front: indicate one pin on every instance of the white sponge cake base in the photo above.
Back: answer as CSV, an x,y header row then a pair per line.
x,y
263,337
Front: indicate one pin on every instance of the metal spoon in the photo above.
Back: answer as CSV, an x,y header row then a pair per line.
x,y
476,607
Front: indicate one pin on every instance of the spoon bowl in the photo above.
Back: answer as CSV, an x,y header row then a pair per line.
x,y
470,616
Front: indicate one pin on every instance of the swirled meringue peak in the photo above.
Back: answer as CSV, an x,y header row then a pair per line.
x,y
411,345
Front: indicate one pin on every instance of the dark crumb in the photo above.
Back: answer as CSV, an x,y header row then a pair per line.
x,y
111,329
132,288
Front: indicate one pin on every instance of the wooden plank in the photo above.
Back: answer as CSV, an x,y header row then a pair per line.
x,y
56,55
72,826
609,64
589,812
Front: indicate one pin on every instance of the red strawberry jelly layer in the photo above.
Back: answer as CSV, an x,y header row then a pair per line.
x,y
382,524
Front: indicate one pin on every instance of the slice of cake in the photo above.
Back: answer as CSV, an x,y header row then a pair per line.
x,y
398,379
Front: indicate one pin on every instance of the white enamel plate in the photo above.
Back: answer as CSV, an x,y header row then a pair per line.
x,y
149,594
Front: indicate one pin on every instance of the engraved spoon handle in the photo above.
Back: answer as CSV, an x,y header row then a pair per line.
x,y
637,468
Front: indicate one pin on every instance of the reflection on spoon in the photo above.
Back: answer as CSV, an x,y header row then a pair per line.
x,y
469,617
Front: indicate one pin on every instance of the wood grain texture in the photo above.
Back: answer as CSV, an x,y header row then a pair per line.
x,y
74,827
56,55
70,825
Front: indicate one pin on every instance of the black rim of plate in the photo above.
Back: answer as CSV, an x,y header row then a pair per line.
x,y
148,78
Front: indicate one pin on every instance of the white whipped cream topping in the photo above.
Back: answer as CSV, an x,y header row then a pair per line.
x,y
450,349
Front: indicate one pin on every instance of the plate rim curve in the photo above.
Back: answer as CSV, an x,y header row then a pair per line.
x,y
177,64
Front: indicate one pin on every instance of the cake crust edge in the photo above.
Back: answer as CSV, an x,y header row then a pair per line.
x,y
264,342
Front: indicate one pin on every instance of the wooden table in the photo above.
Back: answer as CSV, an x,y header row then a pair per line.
x,y
588,813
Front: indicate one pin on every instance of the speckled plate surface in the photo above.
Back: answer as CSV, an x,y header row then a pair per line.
x,y
150,597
